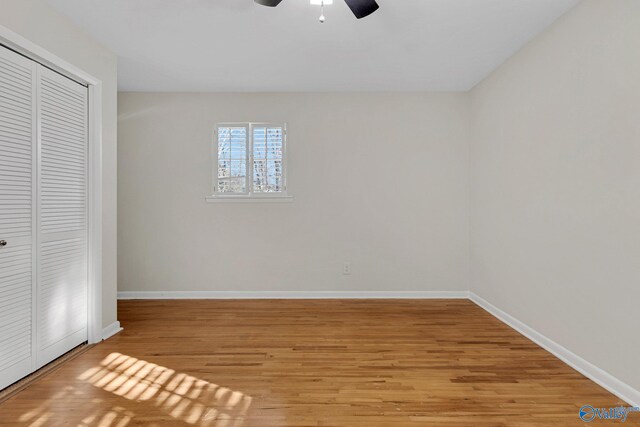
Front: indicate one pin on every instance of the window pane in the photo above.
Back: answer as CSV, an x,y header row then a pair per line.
x,y
232,162
233,178
267,154
274,175
224,169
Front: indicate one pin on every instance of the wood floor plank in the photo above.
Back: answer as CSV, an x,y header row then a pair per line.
x,y
320,363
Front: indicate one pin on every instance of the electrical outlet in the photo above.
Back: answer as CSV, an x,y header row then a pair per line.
x,y
346,268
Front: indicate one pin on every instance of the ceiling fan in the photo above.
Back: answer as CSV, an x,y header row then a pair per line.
x,y
360,8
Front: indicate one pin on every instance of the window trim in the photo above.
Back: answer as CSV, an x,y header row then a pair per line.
x,y
249,195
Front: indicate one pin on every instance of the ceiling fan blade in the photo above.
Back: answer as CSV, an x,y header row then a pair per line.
x,y
270,3
362,8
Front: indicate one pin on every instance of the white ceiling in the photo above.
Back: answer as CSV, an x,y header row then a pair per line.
x,y
236,45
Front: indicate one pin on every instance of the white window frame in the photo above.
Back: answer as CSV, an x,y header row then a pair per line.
x,y
249,195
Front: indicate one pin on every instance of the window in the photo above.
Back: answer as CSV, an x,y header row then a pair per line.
x,y
250,161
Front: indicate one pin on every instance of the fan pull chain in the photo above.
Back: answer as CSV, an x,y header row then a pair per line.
x,y
322,18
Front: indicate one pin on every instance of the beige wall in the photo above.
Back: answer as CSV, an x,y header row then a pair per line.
x,y
556,185
379,180
36,21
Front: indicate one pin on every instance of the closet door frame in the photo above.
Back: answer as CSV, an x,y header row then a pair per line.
x,y
38,54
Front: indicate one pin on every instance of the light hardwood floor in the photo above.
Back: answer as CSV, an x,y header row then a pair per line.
x,y
309,363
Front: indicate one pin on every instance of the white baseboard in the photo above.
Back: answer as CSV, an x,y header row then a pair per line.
x,y
597,375
292,295
111,330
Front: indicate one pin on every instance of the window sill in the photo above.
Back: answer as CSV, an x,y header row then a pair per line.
x,y
249,199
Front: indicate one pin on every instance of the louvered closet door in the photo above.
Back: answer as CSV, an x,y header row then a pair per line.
x,y
17,215
62,238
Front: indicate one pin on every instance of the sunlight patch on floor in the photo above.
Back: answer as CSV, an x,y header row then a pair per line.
x,y
181,396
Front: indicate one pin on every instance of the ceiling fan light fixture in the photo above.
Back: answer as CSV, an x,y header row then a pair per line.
x,y
322,4
360,8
